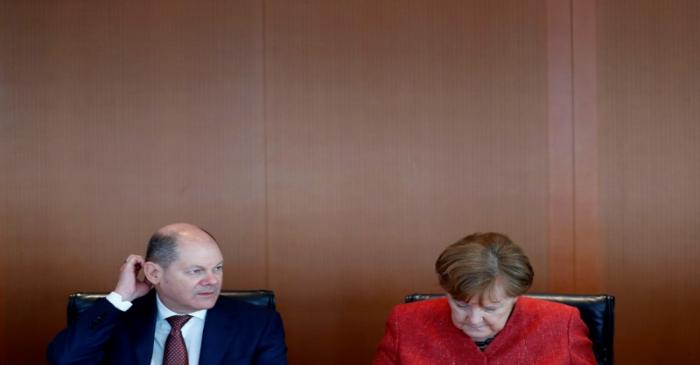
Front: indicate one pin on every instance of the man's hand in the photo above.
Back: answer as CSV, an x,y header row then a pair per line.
x,y
129,286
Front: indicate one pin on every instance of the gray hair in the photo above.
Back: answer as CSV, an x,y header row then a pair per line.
x,y
162,249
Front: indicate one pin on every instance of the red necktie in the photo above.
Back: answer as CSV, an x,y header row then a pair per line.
x,y
175,350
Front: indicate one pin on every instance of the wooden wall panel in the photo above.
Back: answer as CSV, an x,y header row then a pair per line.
x,y
118,118
649,52
392,132
561,217
576,252
335,147
589,250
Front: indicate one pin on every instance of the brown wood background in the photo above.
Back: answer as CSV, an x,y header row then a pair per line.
x,y
335,147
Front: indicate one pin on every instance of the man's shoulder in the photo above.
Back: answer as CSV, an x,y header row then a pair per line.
x,y
146,303
229,314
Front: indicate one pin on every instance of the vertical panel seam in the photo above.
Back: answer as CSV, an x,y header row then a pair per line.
x,y
266,214
587,241
560,220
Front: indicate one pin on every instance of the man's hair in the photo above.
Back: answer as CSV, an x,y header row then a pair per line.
x,y
471,266
162,249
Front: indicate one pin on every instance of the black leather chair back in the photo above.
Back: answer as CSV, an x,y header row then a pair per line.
x,y
597,311
79,302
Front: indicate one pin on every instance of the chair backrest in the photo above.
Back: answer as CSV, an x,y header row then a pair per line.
x,y
79,302
597,311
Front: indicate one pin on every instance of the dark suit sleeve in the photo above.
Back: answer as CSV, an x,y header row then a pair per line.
x,y
85,340
272,349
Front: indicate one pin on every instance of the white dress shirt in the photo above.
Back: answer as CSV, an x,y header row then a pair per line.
x,y
191,331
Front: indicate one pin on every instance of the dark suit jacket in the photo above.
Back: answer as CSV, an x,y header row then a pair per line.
x,y
235,333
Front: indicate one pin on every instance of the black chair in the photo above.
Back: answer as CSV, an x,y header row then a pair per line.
x,y
79,302
597,311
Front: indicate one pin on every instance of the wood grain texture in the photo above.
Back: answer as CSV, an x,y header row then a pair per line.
x,y
336,147
649,97
560,103
589,250
393,131
118,118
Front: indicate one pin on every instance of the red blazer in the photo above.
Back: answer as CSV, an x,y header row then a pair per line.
x,y
537,332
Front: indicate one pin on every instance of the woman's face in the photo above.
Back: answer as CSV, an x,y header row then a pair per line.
x,y
483,316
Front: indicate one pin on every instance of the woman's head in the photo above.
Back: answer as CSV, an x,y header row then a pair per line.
x,y
483,274
472,266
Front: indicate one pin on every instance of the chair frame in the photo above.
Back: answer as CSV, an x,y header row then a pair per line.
x,y
79,302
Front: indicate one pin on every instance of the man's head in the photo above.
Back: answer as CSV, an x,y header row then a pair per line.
x,y
185,265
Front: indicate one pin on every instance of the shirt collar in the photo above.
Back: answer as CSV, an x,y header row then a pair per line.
x,y
164,312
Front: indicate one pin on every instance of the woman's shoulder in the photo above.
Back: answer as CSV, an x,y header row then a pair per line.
x,y
534,306
428,307
426,314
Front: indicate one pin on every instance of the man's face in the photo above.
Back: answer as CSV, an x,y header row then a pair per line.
x,y
482,318
193,281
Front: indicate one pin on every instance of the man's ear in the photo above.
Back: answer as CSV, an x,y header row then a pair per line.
x,y
153,272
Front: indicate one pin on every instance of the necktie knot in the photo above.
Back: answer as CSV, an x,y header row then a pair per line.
x,y
176,322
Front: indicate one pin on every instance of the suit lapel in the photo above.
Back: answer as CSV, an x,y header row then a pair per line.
x,y
219,331
142,327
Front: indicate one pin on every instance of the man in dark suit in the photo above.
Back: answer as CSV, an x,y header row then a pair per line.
x,y
183,321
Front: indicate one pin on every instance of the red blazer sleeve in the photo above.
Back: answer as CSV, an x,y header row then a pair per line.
x,y
580,346
387,351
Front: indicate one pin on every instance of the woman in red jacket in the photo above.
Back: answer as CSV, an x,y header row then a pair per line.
x,y
484,319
